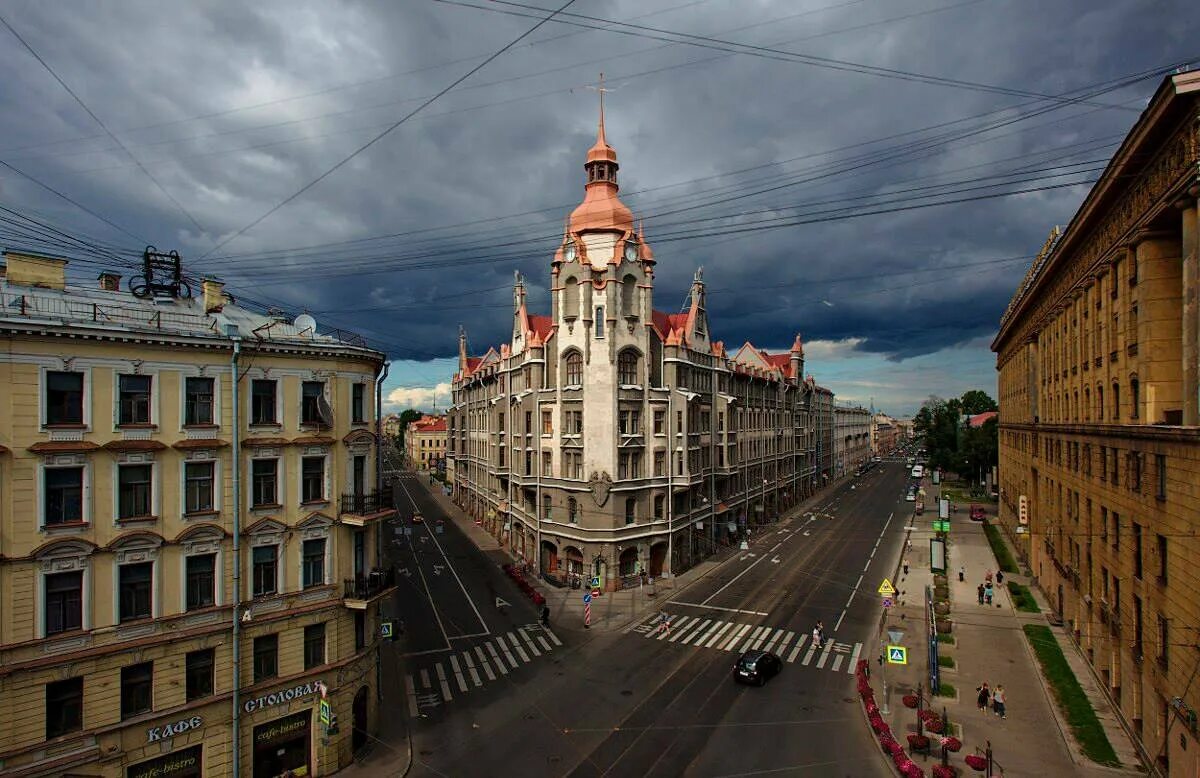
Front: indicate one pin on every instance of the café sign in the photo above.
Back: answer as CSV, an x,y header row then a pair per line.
x,y
155,734
280,697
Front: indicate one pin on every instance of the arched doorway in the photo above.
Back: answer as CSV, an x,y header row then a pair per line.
x,y
627,563
658,554
574,559
549,562
358,737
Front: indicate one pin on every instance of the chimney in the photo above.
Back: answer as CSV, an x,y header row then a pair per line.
x,y
214,294
35,270
110,282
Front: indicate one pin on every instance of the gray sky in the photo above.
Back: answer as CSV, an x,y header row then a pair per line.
x,y
802,184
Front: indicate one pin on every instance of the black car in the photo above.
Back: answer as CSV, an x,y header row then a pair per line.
x,y
756,667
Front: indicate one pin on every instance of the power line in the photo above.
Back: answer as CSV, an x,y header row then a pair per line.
x,y
98,121
73,202
390,128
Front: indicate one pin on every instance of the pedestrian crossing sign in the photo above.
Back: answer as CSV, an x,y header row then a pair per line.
x,y
897,655
325,712
886,588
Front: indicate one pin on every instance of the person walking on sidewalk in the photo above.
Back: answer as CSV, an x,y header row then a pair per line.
x,y
987,593
962,573
980,592
985,696
818,638
906,567
998,701
664,622
999,577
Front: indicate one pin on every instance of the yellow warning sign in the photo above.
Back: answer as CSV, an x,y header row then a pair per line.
x,y
886,588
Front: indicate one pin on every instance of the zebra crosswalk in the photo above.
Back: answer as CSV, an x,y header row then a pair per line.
x,y
732,636
465,669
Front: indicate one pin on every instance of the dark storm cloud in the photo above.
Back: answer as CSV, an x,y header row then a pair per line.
x,y
327,77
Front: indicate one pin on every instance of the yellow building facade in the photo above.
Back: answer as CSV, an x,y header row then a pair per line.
x,y
1098,357
425,441
122,522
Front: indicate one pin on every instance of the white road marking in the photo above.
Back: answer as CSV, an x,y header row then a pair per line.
x,y
799,644
812,649
762,638
413,711
458,674
676,634
471,669
730,644
675,628
533,649
424,678
854,657
752,638
545,644
507,654
553,637
775,639
713,640
783,644
718,608
692,635
487,668
749,567
441,672
854,591
520,650
496,660
837,663
825,654
704,638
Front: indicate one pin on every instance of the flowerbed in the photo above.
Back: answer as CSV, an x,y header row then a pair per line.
x,y
518,578
906,767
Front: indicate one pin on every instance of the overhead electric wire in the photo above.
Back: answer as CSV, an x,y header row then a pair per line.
x,y
387,131
100,122
72,201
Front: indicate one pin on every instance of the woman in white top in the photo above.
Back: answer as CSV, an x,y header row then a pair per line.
x,y
998,701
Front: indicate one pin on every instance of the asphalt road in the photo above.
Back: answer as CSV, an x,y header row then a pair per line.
x,y
647,703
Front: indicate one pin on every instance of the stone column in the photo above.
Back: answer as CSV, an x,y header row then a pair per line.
x,y
1159,313
1191,311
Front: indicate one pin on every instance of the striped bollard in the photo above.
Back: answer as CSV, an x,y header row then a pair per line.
x,y
587,610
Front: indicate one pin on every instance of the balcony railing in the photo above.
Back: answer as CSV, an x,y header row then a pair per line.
x,y
370,586
366,503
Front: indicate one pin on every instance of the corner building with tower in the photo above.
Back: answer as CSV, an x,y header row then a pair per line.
x,y
611,440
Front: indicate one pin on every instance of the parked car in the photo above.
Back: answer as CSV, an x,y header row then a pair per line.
x,y
756,667
418,518
977,513
911,496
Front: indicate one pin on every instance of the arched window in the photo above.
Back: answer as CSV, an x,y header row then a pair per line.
x,y
1087,404
629,295
574,368
627,367
1116,400
1135,396
570,305
1100,402
572,510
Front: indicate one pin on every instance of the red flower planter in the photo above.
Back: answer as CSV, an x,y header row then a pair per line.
x,y
909,700
911,770
892,747
945,771
935,725
951,744
976,762
918,742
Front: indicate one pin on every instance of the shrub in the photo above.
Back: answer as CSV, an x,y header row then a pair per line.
x,y
1023,598
945,661
947,639
946,690
944,625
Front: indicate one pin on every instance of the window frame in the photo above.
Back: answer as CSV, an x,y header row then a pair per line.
x,y
84,493
257,403
150,496
137,680
306,559
200,674
136,593
629,362
65,699
255,503
265,651
213,601
323,480
310,643
256,579
358,403
84,400
187,480
62,606
189,404
132,411
573,368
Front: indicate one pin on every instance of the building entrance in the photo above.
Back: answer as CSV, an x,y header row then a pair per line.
x,y
283,745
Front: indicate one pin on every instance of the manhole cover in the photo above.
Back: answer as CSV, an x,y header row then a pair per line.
x,y
626,693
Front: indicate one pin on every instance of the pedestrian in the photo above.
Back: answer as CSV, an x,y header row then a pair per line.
x,y
987,593
906,567
998,701
979,591
988,576
985,696
962,573
664,622
546,615
999,577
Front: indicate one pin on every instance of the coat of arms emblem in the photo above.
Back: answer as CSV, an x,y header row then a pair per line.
x,y
600,483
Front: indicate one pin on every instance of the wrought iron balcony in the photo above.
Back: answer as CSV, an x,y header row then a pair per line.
x,y
362,589
366,503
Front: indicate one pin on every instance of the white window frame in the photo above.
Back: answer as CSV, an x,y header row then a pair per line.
x,y
137,554
201,548
249,409
60,560
87,395
260,540
153,375
60,462
328,488
216,379
368,401
320,532
195,458
325,392
280,481
142,458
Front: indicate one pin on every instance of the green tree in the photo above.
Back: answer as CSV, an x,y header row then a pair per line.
x,y
977,401
407,416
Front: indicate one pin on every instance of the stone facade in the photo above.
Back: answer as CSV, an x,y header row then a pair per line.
x,y
1099,415
610,439
885,434
425,442
852,438
117,520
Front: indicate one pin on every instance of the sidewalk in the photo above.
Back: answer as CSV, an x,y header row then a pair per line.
x,y
611,611
989,645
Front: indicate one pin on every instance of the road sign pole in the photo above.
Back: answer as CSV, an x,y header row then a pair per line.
x,y
587,616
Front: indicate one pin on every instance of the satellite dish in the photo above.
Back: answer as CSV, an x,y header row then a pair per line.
x,y
305,323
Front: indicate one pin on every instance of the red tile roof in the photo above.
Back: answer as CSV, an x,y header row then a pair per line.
x,y
542,325
432,425
666,322
979,419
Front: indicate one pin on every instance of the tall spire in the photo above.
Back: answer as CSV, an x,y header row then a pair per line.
x,y
601,209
